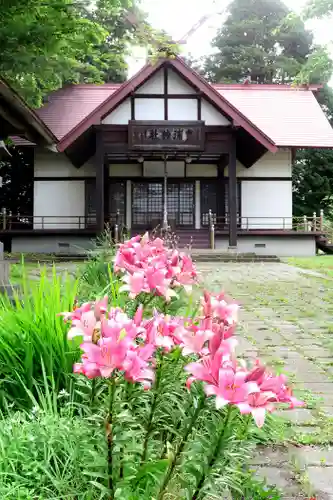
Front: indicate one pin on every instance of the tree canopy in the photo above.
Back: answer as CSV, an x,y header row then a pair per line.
x,y
252,43
45,44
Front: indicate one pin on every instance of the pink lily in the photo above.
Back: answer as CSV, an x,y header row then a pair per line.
x,y
257,404
207,369
231,387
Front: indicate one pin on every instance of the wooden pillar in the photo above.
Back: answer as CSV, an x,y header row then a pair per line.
x,y
106,192
100,183
232,194
220,193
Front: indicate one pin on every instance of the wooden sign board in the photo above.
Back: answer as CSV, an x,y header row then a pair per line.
x,y
166,136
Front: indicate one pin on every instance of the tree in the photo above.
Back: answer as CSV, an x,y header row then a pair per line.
x,y
313,171
111,61
16,193
319,65
45,44
253,43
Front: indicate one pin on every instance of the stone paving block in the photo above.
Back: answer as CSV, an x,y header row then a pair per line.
x,y
316,352
313,456
297,416
328,410
275,476
321,480
271,456
303,429
311,377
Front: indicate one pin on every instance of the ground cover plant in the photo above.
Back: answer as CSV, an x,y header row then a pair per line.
x,y
320,263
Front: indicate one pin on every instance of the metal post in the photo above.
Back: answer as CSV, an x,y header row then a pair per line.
x,y
165,197
305,221
116,227
4,217
314,222
211,229
116,233
321,220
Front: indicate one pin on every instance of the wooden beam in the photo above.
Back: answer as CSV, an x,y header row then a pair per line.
x,y
166,83
232,194
100,182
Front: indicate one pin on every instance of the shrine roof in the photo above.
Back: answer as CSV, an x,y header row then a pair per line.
x,y
275,115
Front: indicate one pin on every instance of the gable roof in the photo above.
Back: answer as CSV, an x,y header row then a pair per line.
x,y
275,115
123,91
16,117
291,117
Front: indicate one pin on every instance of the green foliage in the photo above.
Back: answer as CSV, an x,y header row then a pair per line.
x,y
47,44
318,66
45,455
32,335
318,9
95,276
16,194
258,490
313,171
250,45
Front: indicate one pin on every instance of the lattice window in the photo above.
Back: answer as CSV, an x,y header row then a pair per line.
x,y
116,201
147,204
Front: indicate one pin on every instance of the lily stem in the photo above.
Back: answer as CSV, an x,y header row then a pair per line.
x,y
109,437
180,447
152,411
215,454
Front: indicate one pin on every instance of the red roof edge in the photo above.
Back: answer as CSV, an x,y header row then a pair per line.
x,y
191,76
265,86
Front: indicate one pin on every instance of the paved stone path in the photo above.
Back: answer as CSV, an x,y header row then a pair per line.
x,y
287,319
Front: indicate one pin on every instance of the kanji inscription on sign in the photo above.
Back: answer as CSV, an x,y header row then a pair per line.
x,y
166,136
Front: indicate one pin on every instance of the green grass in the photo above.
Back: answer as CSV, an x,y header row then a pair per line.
x,y
320,263
32,335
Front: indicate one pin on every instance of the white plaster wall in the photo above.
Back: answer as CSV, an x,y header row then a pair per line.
x,y
182,109
59,204
269,165
155,85
211,116
49,164
156,169
52,244
176,84
149,109
266,204
281,246
196,170
120,115
125,170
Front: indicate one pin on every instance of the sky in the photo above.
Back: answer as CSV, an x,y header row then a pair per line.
x,y
178,16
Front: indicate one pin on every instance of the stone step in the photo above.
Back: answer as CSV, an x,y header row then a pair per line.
x,y
218,256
